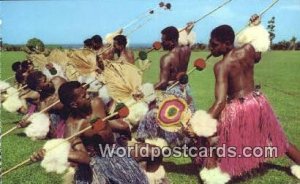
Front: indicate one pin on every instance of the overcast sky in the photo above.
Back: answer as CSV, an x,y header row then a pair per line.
x,y
72,21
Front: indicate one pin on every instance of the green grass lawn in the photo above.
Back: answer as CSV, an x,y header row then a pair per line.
x,y
277,73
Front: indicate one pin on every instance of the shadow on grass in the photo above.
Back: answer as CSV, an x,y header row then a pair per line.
x,y
10,122
263,169
187,169
21,134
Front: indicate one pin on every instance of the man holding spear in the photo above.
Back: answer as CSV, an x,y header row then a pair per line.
x,y
93,164
245,118
174,63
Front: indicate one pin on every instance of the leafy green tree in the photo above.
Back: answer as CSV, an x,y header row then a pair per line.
x,y
293,43
297,46
35,45
282,45
271,29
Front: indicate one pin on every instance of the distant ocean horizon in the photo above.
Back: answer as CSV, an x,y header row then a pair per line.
x,y
76,46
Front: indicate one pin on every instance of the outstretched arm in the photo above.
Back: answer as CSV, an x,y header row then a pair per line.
x,y
164,73
221,86
119,126
77,154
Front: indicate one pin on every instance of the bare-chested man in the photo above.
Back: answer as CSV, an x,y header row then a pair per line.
x,y
172,64
48,89
23,69
103,52
104,168
48,95
175,61
120,50
245,117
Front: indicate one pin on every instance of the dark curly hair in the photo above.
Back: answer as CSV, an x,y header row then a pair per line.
x,y
66,92
223,34
33,79
171,33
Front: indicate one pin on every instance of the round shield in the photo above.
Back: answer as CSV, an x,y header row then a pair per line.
x,y
173,113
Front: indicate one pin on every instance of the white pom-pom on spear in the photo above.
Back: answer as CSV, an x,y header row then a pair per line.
x,y
44,126
55,146
295,170
214,176
25,119
255,33
203,124
39,126
186,35
4,85
16,91
13,102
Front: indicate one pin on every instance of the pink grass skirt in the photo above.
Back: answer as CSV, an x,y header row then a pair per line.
x,y
32,108
249,122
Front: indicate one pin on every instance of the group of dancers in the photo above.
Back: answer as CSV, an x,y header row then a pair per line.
x,y
72,90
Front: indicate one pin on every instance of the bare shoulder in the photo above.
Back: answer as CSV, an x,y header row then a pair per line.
x,y
186,49
30,95
223,65
219,66
248,47
167,58
68,127
130,51
98,107
97,102
58,79
247,50
33,95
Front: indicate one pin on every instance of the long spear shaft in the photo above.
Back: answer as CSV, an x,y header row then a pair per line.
x,y
212,11
65,140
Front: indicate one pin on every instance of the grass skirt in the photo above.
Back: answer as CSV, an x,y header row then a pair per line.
x,y
249,122
149,129
111,170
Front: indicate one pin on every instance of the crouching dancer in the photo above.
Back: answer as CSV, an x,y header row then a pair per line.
x,y
53,123
95,166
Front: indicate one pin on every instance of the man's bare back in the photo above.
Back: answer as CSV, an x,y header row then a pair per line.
x,y
234,74
238,66
173,63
